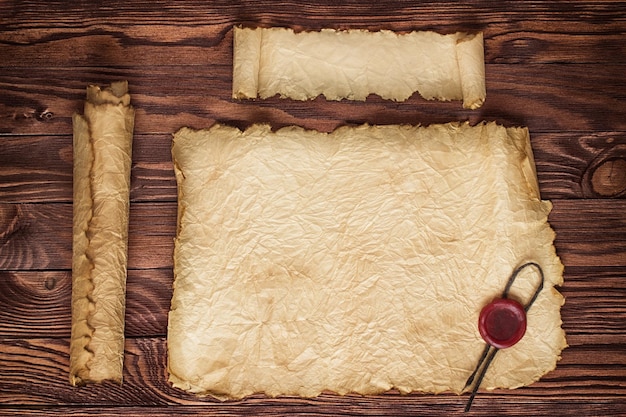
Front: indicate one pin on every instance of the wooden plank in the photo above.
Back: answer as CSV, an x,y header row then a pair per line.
x,y
37,303
35,236
162,33
556,67
582,230
442,405
571,166
41,101
39,236
34,168
39,168
35,371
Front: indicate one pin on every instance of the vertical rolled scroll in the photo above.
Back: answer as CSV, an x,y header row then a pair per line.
x,y
470,55
102,162
246,62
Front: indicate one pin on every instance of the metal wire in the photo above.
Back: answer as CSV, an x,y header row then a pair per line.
x,y
490,351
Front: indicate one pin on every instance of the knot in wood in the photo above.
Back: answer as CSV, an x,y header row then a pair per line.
x,y
606,175
44,115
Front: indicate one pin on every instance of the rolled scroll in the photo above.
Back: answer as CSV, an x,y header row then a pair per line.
x,y
102,162
353,64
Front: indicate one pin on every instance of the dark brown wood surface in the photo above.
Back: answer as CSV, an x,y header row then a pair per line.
x,y
557,67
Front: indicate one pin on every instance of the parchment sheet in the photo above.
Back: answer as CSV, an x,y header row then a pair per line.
x,y
356,261
353,64
102,161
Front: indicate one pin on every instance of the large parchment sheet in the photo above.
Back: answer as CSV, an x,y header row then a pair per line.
x,y
102,161
356,63
355,261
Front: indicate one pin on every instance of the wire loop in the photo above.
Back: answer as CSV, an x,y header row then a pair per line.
x,y
490,351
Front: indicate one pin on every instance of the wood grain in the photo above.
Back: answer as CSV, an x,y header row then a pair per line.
x,y
432,406
44,99
514,33
556,67
37,303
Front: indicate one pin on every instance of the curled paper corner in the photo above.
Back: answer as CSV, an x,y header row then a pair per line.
x,y
471,61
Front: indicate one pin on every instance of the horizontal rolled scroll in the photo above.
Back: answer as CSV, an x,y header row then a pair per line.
x,y
355,63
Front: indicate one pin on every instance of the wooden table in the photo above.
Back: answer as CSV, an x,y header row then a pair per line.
x,y
557,67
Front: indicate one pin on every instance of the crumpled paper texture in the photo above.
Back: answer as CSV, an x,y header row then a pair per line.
x,y
353,64
355,261
102,161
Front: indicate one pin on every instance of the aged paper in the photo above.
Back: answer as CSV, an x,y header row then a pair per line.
x,y
102,160
356,63
356,261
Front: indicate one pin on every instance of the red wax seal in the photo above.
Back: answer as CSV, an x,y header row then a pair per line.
x,y
502,323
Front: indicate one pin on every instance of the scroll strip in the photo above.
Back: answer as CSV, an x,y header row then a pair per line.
x,y
356,63
471,59
247,46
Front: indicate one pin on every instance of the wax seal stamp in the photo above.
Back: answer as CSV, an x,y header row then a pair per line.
x,y
502,323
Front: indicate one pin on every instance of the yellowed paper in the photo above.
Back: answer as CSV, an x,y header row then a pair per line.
x,y
102,160
356,261
354,64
